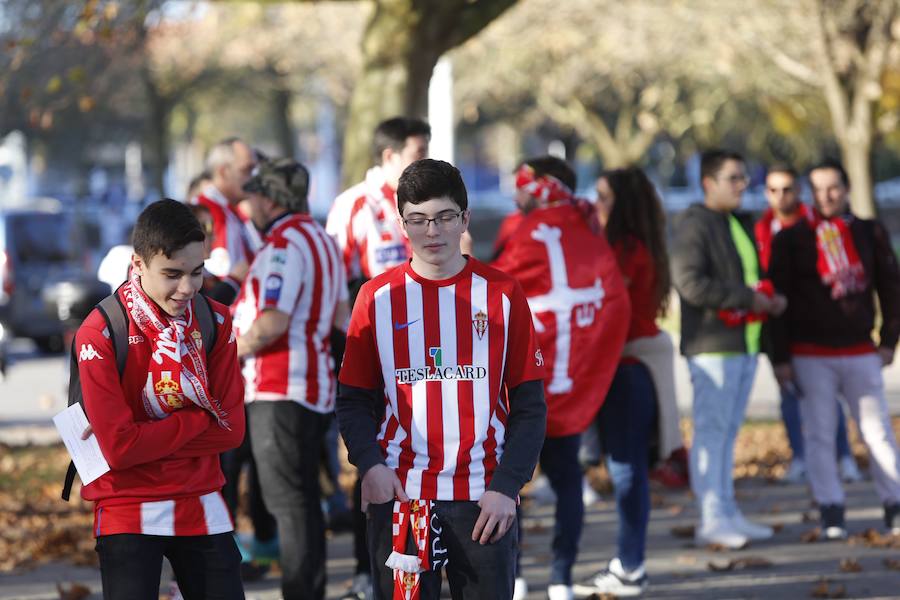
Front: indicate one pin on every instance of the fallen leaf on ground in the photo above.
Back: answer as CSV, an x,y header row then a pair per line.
x,y
874,539
811,536
825,589
777,527
740,564
850,565
675,510
682,531
892,563
76,592
686,559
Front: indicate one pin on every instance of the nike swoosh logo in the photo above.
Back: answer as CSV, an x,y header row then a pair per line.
x,y
399,326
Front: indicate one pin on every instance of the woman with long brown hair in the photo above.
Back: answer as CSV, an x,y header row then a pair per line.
x,y
642,392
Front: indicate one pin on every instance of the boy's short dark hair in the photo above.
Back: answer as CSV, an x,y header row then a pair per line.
x,y
834,164
165,226
782,168
392,133
711,161
428,179
551,165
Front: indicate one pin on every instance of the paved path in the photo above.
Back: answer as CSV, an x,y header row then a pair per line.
x,y
676,568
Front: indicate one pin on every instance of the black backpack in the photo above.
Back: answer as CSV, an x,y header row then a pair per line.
x,y
117,322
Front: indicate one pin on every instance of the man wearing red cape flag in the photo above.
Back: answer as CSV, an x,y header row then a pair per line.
x,y
581,313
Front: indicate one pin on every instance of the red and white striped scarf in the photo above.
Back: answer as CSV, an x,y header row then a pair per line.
x,y
838,262
550,191
177,369
416,544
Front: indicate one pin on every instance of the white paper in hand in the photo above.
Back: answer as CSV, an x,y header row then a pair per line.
x,y
86,455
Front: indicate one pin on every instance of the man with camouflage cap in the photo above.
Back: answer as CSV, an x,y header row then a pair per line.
x,y
294,293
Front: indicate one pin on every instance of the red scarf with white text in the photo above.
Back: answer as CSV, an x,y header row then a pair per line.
x,y
177,370
838,263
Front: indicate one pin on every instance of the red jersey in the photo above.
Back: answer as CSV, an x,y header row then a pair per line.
x,y
445,353
165,476
638,270
365,223
230,243
299,273
580,309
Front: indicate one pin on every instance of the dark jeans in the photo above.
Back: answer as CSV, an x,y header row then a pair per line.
x,y
625,424
559,462
233,462
287,443
790,414
206,566
475,572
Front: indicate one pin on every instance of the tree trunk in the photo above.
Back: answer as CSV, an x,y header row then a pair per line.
x,y
857,157
284,128
401,45
158,132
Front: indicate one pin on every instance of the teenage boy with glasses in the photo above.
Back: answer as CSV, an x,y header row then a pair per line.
x,y
442,423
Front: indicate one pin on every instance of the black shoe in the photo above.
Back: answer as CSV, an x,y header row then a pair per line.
x,y
253,571
833,521
892,518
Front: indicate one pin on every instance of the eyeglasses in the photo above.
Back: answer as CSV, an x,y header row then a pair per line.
x,y
736,179
442,221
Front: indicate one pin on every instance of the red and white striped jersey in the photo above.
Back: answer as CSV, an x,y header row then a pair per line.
x,y
364,222
193,515
230,244
298,272
445,353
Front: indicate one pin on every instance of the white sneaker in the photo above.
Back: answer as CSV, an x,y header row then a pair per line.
x,y
720,532
360,589
588,494
520,589
560,591
753,531
849,471
796,472
541,492
835,533
615,581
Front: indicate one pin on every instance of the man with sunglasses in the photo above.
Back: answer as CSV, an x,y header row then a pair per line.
x,y
295,292
785,210
440,404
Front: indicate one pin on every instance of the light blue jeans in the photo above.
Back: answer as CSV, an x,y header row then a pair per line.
x,y
722,386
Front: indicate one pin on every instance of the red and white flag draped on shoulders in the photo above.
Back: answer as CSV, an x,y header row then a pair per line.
x,y
578,300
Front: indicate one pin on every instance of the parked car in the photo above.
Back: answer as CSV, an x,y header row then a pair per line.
x,y
45,280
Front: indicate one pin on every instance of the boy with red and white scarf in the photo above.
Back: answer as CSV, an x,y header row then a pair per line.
x,y
162,424
830,269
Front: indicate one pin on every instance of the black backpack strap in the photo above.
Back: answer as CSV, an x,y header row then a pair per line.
x,y
206,321
113,312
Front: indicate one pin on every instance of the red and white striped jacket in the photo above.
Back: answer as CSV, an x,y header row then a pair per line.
x,y
445,353
365,223
298,272
231,243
